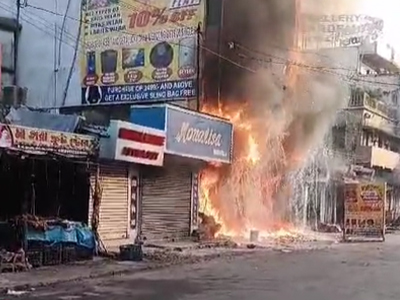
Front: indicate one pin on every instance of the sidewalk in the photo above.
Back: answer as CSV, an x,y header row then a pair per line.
x,y
64,273
158,256
100,267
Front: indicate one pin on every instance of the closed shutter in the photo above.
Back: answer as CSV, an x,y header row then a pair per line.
x,y
166,199
114,209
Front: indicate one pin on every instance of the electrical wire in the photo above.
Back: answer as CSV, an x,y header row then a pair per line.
x,y
62,31
288,62
73,62
281,60
129,33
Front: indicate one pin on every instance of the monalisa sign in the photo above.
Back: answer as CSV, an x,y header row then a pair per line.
x,y
206,137
198,135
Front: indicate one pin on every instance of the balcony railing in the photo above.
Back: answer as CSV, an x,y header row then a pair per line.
x,y
373,156
363,100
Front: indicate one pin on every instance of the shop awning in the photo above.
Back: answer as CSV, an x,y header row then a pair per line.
x,y
55,122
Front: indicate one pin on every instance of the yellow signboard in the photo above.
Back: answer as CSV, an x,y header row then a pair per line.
x,y
140,50
364,210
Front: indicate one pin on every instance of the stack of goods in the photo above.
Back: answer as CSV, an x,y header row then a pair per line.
x,y
31,221
54,242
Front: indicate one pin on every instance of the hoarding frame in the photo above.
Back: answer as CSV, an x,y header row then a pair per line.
x,y
381,238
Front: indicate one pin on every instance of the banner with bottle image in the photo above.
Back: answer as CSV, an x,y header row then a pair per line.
x,y
139,50
364,211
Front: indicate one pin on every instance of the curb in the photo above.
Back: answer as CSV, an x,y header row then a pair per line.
x,y
187,260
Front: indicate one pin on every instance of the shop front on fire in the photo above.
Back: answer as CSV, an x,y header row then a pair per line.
x,y
169,196
44,179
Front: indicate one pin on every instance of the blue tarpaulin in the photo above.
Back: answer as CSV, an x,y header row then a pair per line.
x,y
74,233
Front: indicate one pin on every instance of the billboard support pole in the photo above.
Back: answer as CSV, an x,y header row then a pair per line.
x,y
198,82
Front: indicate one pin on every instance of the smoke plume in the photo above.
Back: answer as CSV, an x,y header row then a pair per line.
x,y
290,98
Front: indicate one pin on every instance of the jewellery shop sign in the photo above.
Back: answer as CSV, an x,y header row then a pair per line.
x,y
364,211
42,140
197,135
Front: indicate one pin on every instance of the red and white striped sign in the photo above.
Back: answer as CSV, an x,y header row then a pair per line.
x,y
138,144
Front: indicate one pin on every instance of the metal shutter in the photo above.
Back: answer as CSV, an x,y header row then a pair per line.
x,y
166,203
114,210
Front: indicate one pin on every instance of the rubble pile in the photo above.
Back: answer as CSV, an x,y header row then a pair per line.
x,y
329,228
218,243
208,227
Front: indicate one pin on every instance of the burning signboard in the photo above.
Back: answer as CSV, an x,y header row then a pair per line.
x,y
364,211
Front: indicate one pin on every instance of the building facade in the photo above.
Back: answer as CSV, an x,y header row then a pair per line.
x,y
151,166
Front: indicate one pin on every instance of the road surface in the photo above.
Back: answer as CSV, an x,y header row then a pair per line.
x,y
350,272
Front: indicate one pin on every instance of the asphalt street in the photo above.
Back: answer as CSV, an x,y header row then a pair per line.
x,y
368,271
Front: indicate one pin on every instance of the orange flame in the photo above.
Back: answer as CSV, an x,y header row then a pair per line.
x,y
252,176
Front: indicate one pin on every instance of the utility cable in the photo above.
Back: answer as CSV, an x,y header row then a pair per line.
x,y
62,31
73,62
130,6
298,64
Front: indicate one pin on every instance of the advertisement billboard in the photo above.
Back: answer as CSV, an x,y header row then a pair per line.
x,y
139,50
364,211
326,24
340,31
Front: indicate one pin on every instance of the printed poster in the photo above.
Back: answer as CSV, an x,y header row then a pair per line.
x,y
364,210
139,50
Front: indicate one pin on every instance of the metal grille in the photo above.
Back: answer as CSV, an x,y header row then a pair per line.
x,y
114,209
166,204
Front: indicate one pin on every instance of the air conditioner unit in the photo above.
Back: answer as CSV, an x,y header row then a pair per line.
x,y
14,96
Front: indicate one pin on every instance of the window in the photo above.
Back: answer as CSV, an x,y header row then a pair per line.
x,y
7,47
8,29
7,78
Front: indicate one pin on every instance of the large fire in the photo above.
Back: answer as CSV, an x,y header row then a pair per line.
x,y
252,194
290,110
243,196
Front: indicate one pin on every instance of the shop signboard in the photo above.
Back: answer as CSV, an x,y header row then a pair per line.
x,y
42,140
364,211
197,135
339,30
133,143
139,51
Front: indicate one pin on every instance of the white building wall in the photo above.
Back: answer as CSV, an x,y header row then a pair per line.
x,y
345,63
46,51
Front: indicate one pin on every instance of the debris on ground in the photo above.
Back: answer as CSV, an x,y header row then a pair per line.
x,y
208,227
16,293
218,243
167,257
329,228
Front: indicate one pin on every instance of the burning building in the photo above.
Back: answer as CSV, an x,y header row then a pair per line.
x,y
281,103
